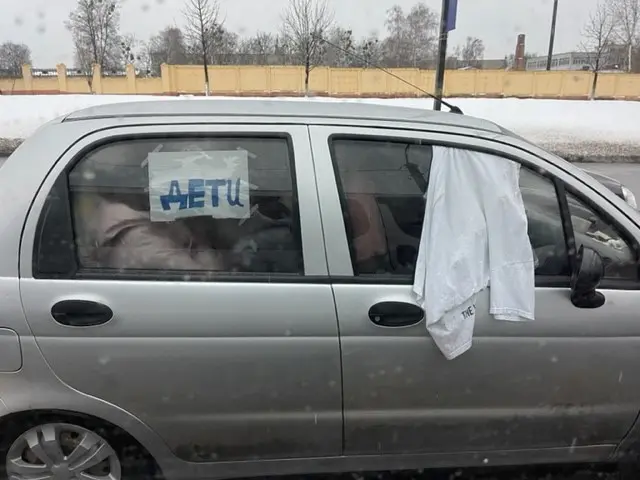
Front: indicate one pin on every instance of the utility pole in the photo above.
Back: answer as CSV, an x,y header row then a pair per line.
x,y
552,36
447,23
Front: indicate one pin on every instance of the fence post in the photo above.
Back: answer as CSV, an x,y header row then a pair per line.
x,y
61,69
131,79
269,91
238,80
616,88
27,78
165,76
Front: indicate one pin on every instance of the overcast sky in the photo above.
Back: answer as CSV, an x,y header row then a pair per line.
x,y
40,23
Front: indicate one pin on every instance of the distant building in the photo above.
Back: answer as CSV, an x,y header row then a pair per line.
x,y
563,61
578,61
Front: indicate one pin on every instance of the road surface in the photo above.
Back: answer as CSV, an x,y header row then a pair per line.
x,y
626,173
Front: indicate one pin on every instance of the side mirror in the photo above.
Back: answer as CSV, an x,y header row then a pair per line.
x,y
586,278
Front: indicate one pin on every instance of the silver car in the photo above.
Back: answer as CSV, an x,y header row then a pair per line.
x,y
286,339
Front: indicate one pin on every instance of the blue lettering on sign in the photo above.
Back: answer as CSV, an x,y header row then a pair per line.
x,y
174,196
234,202
197,193
215,190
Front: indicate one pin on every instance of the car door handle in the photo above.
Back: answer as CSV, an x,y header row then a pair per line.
x,y
395,314
81,313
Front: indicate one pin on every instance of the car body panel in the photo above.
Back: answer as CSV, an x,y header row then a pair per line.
x,y
176,366
519,385
302,110
227,395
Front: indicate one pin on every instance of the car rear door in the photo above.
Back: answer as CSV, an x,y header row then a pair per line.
x,y
230,350
561,383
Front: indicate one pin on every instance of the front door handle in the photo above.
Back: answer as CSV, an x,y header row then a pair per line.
x,y
395,314
81,313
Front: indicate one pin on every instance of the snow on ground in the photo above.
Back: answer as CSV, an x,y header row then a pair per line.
x,y
547,122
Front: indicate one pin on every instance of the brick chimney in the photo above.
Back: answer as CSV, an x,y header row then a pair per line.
x,y
519,61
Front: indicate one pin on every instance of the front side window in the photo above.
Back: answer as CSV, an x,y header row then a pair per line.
x,y
382,185
591,230
186,204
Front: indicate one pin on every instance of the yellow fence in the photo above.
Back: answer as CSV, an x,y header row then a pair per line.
x,y
338,82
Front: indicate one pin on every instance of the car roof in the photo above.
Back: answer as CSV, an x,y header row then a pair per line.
x,y
349,110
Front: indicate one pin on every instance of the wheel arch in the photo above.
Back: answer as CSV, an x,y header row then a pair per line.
x,y
15,423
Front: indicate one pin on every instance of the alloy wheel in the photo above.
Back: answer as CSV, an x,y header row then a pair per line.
x,y
60,451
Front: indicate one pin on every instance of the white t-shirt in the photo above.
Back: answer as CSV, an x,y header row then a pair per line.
x,y
474,235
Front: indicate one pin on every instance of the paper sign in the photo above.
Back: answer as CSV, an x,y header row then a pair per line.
x,y
194,184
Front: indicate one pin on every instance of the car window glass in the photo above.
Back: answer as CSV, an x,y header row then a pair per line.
x,y
593,231
383,207
544,223
383,203
113,212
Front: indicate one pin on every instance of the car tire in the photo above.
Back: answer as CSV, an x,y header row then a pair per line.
x,y
45,444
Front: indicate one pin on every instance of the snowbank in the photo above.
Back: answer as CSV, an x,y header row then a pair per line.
x,y
579,127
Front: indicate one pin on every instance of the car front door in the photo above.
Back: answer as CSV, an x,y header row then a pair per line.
x,y
205,325
563,383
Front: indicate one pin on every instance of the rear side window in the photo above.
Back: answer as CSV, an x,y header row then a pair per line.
x,y
164,206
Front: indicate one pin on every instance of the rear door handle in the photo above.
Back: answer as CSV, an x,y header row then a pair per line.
x,y
395,314
81,313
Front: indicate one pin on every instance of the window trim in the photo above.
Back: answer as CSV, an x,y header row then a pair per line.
x,y
541,281
567,226
76,272
61,183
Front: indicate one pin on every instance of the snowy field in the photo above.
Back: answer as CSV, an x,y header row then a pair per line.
x,y
602,127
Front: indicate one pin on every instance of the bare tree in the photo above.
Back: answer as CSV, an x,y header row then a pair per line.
x,y
411,38
597,35
258,49
283,50
472,52
339,48
95,28
136,53
12,57
305,23
203,25
626,17
370,51
224,47
422,26
168,46
395,44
